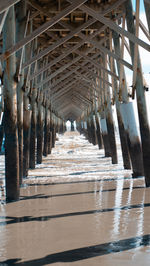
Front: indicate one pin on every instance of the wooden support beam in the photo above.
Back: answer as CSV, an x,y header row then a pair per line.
x,y
20,29
10,113
42,28
2,19
65,89
57,59
122,133
69,73
84,39
109,119
61,69
57,43
135,48
141,102
4,5
114,26
40,119
76,46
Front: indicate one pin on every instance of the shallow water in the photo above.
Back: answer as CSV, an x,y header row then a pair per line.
x,y
76,208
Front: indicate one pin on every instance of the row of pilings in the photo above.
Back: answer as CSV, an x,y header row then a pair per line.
x,y
25,147
29,124
101,131
28,143
135,144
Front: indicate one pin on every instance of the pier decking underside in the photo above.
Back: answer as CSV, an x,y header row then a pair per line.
x,y
76,208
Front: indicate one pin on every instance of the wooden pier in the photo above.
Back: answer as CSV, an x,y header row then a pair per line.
x,y
66,60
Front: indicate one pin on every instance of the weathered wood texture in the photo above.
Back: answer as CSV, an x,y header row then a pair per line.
x,y
65,61
20,31
141,103
10,113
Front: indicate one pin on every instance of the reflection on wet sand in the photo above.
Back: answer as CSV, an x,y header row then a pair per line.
x,y
77,209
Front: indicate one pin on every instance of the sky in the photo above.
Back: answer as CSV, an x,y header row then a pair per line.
x,y
141,5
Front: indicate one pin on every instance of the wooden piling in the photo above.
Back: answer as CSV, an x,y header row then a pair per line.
x,y
26,137
109,118
33,130
49,134
39,130
93,130
105,137
10,112
128,133
1,132
132,139
98,132
20,31
141,102
45,147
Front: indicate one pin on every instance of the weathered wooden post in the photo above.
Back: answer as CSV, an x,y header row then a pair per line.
x,y
93,129
89,130
26,135
45,147
103,124
49,133
132,138
72,126
1,132
98,131
140,93
133,141
33,97
102,119
109,118
115,87
10,112
20,32
40,128
105,135
26,109
53,130
33,130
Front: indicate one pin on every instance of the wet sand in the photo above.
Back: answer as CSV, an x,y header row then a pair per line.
x,y
76,208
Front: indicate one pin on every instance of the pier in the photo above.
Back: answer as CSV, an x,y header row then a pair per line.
x,y
77,196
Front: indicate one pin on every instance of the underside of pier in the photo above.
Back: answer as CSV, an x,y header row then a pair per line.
x,y
69,60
